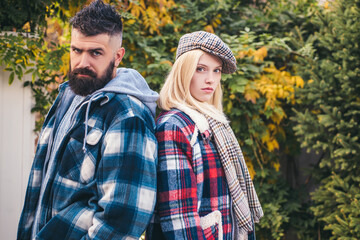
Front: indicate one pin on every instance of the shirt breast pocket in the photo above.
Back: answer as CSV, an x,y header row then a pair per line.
x,y
77,164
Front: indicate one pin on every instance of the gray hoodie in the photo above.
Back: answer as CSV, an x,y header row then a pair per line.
x,y
129,81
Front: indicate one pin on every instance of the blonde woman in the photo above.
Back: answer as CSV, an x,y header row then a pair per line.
x,y
204,188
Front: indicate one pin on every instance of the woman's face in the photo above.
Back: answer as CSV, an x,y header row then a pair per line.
x,y
206,78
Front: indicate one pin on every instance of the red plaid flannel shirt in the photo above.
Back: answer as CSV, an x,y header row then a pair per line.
x,y
191,182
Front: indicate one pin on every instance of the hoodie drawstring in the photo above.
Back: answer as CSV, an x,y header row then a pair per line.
x,y
86,122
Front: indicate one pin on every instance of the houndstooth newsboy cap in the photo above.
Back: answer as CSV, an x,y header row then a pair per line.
x,y
209,43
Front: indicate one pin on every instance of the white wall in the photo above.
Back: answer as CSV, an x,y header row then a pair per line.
x,y
17,146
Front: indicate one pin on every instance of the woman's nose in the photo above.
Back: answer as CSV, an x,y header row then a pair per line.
x,y
210,78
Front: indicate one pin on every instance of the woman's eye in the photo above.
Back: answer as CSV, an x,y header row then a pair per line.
x,y
200,69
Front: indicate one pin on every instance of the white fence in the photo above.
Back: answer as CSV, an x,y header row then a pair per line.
x,y
17,146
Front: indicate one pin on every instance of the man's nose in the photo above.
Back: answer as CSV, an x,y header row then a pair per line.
x,y
84,61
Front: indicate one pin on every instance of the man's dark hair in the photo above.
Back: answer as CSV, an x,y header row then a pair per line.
x,y
98,18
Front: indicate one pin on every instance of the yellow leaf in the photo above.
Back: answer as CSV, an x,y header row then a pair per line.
x,y
270,103
65,63
280,92
278,116
299,81
26,27
326,5
289,89
209,29
266,137
216,21
241,54
272,127
166,62
134,9
131,21
251,95
250,167
250,52
270,69
142,4
316,112
276,166
272,145
260,54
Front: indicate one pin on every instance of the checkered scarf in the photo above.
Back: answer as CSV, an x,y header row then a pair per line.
x,y
246,204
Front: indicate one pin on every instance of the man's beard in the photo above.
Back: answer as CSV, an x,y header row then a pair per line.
x,y
84,86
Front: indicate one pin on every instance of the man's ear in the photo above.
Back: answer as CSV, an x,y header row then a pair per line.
x,y
119,56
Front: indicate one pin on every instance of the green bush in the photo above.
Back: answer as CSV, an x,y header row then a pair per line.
x,y
329,122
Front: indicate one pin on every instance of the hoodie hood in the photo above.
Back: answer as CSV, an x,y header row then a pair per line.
x,y
129,81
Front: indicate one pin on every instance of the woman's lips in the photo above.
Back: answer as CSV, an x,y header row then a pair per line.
x,y
208,90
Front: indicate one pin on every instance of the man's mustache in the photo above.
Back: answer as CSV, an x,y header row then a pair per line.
x,y
84,71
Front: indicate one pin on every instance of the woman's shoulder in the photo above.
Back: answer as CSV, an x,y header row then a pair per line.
x,y
176,121
183,121
175,117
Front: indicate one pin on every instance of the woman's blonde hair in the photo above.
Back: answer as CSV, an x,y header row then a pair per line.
x,y
176,89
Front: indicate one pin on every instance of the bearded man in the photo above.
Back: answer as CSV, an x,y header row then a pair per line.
x,y
94,171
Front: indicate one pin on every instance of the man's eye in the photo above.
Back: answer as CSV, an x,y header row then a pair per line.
x,y
96,53
75,50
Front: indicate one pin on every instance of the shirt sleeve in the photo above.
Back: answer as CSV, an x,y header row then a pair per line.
x,y
177,185
126,181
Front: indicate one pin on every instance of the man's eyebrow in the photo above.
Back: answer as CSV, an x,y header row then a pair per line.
x,y
94,49
88,50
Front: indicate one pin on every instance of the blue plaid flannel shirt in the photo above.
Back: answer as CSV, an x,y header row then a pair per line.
x,y
106,192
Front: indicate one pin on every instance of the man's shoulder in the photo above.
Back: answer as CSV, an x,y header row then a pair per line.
x,y
127,101
127,106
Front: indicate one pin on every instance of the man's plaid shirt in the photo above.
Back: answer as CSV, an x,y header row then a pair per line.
x,y
106,192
